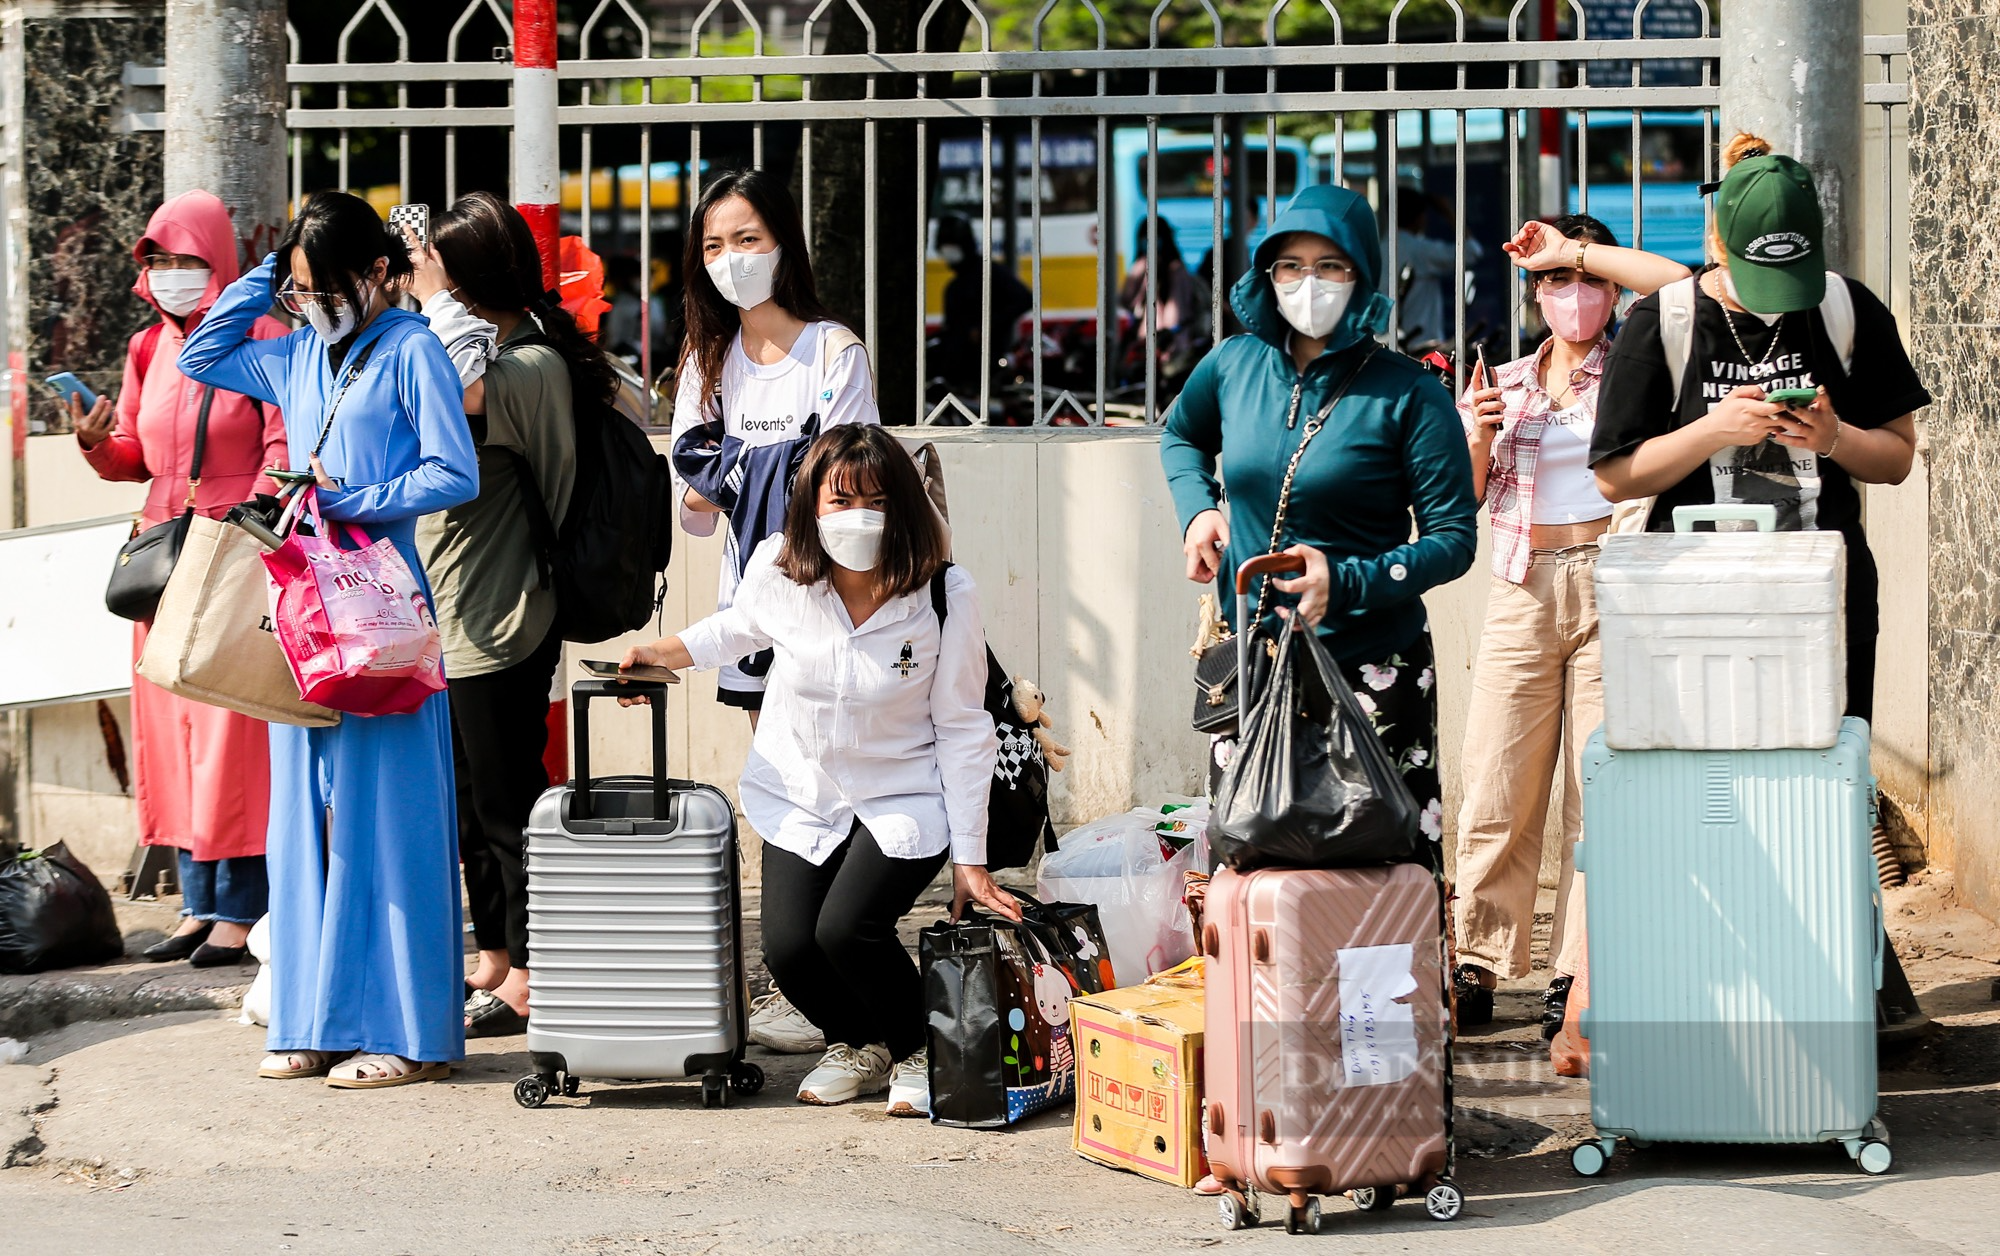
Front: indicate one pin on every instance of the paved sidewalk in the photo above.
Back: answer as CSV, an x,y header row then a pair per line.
x,y
157,1138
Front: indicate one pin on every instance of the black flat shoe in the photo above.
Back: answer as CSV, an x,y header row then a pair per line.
x,y
176,948
206,956
1475,1000
1555,1005
487,1015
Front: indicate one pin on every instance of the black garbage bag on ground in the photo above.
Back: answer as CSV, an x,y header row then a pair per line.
x,y
54,914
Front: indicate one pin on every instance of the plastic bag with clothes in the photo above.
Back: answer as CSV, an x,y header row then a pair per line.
x,y
1132,867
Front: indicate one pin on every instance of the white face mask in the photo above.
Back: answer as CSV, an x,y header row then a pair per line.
x,y
1729,286
1313,305
745,280
853,538
951,255
178,291
334,327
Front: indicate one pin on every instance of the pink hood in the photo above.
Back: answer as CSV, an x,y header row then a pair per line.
x,y
195,223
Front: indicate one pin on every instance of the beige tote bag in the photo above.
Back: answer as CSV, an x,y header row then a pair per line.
x,y
211,639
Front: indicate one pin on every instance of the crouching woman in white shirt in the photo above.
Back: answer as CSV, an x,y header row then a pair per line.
x,y
874,757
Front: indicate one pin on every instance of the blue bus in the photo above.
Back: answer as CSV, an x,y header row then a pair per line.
x,y
1186,188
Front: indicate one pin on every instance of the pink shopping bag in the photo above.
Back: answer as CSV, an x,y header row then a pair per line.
x,y
356,627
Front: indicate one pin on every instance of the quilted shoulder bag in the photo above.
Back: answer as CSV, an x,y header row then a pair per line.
x,y
1217,684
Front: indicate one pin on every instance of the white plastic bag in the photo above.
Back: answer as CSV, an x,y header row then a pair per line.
x,y
1120,865
257,999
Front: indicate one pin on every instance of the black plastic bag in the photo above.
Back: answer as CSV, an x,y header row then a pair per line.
x,y
996,996
1311,785
54,914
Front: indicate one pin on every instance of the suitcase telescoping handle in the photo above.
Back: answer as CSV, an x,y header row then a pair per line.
x,y
1762,514
581,695
1246,575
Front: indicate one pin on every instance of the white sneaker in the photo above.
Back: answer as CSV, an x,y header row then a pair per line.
x,y
910,1086
845,1073
778,1026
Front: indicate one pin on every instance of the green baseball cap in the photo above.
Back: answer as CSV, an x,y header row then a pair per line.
x,y
1767,212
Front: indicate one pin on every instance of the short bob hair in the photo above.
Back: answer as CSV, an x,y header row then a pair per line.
x,y
343,237
855,458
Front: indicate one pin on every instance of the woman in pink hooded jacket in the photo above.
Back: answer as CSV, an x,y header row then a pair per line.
x,y
203,774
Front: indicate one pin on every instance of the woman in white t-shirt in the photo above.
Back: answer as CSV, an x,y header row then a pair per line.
x,y
763,369
1538,682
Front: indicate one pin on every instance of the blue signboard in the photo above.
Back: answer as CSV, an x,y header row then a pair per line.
x,y
1663,19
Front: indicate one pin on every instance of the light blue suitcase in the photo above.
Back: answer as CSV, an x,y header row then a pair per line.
x,y
1736,945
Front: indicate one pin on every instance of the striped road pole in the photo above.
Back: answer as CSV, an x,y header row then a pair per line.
x,y
537,168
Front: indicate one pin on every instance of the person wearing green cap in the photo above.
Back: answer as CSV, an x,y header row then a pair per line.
x,y
1683,413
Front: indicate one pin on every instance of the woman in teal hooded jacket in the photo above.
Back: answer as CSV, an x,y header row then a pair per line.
x,y
1391,448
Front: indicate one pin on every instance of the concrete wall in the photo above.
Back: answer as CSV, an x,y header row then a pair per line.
x,y
1955,314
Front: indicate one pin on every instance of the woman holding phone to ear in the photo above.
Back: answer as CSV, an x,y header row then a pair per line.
x,y
1538,681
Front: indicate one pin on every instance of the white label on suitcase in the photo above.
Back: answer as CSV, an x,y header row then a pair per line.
x,y
1378,1032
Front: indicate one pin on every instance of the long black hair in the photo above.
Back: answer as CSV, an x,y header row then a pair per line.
x,y
710,321
342,237
489,251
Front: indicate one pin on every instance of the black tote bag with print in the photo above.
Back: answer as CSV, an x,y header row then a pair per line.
x,y
996,997
1311,785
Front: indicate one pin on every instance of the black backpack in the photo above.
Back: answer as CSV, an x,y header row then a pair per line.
x,y
1018,809
605,562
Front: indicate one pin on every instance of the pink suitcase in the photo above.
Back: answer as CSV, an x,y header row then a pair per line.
x,y
1328,1040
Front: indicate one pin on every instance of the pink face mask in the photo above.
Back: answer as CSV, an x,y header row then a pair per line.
x,y
1577,312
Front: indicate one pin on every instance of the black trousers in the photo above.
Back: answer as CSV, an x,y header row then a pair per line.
x,y
499,729
830,941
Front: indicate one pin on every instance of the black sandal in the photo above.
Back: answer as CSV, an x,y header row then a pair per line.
x,y
487,1015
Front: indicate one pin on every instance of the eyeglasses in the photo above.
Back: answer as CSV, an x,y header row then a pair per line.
x,y
173,261
295,299
1328,269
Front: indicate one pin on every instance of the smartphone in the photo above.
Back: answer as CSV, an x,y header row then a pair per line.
x,y
611,671
1789,397
414,216
290,477
67,385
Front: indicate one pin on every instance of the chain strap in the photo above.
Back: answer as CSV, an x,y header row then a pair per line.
x,y
1312,429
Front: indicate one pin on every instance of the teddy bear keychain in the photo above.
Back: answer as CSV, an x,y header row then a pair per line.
x,y
1028,701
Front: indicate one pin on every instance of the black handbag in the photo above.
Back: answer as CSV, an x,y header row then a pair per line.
x,y
1311,785
146,561
996,1002
1217,684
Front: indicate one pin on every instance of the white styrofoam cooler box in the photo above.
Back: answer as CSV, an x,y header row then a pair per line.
x,y
1722,640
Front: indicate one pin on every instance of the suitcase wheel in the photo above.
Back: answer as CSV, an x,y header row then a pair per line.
x,y
1874,1158
746,1079
1304,1218
1588,1159
1373,1198
1236,1214
531,1091
714,1091
571,1086
1444,1201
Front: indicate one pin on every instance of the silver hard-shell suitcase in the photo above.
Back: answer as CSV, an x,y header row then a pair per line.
x,y
635,925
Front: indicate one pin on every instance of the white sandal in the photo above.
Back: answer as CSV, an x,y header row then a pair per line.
x,y
366,1071
286,1065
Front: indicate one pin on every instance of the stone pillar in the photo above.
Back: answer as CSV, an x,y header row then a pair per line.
x,y
1791,72
1954,316
226,111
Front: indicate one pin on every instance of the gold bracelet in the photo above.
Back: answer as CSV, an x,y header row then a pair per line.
x,y
1580,247
1836,440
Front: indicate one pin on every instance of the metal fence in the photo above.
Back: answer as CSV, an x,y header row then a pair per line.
x,y
1074,139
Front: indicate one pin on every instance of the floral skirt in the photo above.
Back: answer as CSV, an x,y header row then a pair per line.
x,y
1400,695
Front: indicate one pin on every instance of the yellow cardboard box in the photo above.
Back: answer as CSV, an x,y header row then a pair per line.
x,y
1138,1076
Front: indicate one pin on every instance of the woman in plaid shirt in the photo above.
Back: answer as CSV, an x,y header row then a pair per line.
x,y
1538,679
